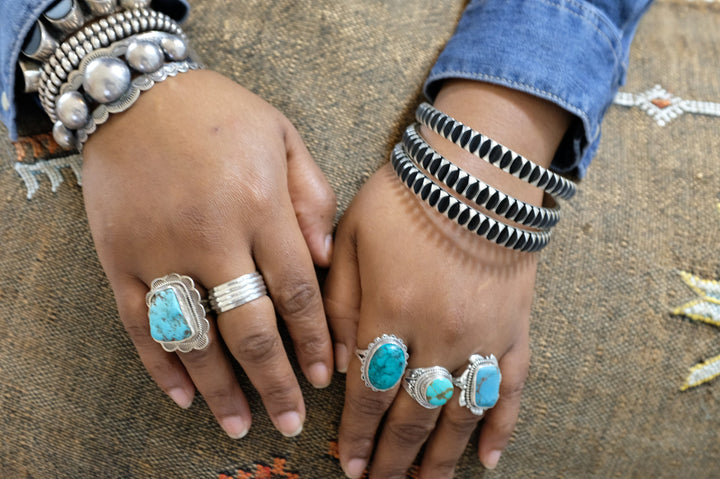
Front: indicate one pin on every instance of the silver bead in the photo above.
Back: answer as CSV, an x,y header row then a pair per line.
x,y
63,136
112,36
72,110
144,56
87,46
101,7
67,66
73,42
175,48
95,41
106,79
134,3
104,40
119,30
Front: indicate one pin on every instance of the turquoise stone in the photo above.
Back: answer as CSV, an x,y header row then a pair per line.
x,y
439,391
167,322
386,366
487,386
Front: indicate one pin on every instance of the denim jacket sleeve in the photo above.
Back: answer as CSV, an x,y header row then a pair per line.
x,y
573,53
16,19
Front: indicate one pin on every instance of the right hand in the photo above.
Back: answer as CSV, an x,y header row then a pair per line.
x,y
203,178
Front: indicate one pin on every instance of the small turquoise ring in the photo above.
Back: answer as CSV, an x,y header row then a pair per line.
x,y
479,384
430,387
383,363
176,314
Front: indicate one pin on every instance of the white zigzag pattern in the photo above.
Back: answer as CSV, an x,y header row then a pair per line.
x,y
51,168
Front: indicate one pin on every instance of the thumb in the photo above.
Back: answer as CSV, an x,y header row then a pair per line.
x,y
312,198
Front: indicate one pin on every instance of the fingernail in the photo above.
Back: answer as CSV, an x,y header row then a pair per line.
x,y
234,426
181,397
328,247
492,459
341,358
289,424
355,468
319,375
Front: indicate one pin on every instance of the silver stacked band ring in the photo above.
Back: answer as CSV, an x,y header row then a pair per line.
x,y
430,387
237,292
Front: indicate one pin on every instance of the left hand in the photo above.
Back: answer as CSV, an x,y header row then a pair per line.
x,y
401,268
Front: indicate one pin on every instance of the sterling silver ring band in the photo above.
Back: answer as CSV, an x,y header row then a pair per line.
x,y
237,292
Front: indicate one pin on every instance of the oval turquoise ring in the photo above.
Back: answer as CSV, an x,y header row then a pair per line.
x,y
479,384
176,314
383,363
430,387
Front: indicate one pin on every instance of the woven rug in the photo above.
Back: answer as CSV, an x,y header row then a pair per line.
x,y
625,335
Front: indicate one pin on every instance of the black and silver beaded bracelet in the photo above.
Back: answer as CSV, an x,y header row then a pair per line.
x,y
493,152
462,214
474,189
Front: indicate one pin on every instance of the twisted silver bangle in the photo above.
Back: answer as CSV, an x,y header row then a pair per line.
x,y
462,214
474,189
97,35
493,152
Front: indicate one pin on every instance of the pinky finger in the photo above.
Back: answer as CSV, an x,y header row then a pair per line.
x,y
499,422
165,368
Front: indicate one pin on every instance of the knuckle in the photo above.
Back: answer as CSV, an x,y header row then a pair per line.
x,y
298,298
461,422
410,433
314,346
369,405
258,348
282,394
512,390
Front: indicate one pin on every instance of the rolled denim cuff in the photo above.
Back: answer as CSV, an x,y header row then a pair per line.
x,y
568,52
16,19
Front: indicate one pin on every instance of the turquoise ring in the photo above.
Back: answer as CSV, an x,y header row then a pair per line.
x,y
479,384
176,314
430,387
383,363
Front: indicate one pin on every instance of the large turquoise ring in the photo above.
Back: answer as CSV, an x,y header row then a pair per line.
x,y
176,314
383,363
430,387
479,384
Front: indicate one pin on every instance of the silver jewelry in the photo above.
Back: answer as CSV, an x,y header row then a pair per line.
x,y
237,292
39,44
105,79
101,7
101,34
383,363
493,152
474,189
66,16
479,384
462,214
134,3
176,315
31,75
430,387
72,110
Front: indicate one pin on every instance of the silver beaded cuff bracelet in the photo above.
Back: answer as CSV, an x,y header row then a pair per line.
x,y
462,214
105,78
493,152
100,34
474,189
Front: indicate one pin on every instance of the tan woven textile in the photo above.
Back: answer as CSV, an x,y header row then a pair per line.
x,y
603,397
